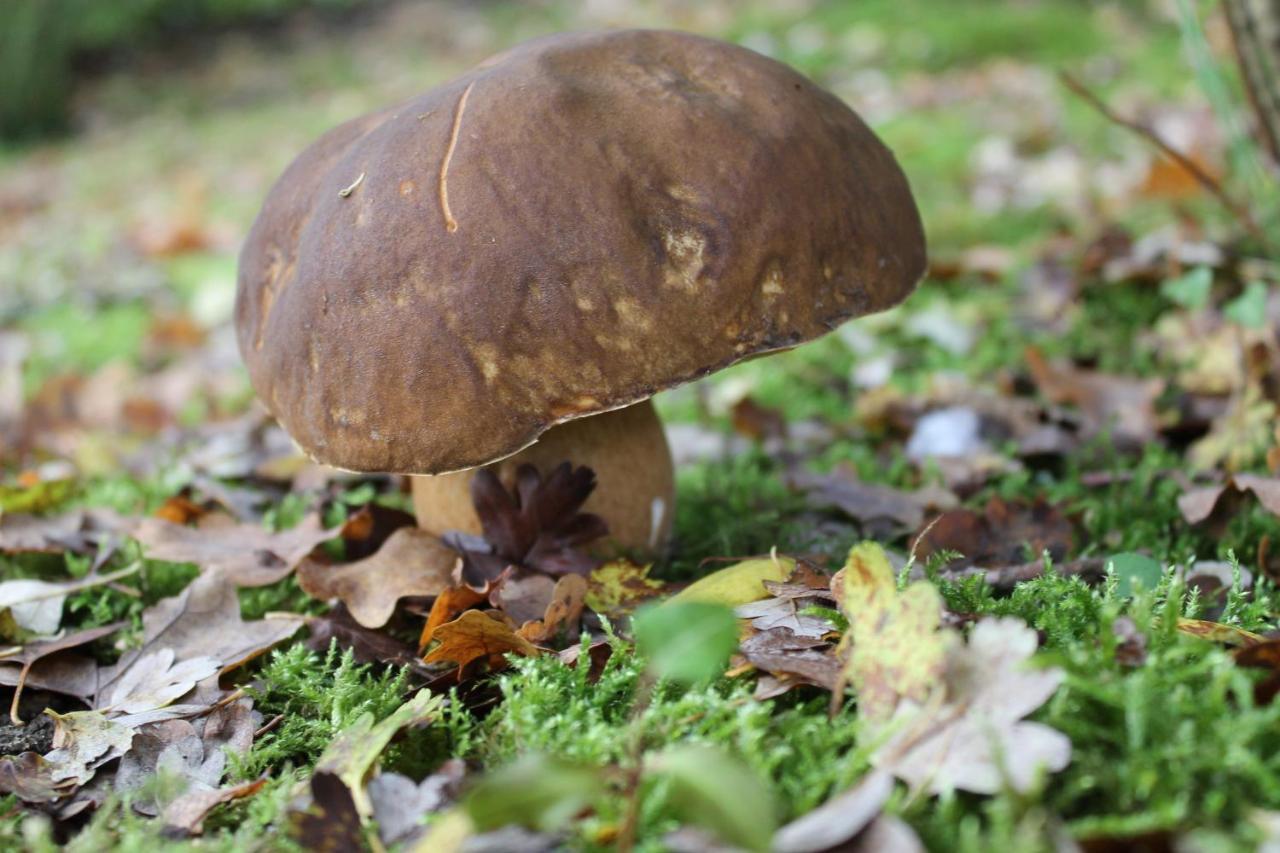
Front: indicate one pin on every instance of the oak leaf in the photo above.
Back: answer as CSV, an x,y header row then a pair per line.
x,y
537,526
411,562
246,554
894,646
475,635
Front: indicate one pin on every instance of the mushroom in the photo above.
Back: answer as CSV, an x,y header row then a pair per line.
x,y
505,269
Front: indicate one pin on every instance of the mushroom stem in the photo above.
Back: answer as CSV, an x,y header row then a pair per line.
x,y
626,448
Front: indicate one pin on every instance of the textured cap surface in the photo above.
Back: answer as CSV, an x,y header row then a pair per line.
x,y
568,228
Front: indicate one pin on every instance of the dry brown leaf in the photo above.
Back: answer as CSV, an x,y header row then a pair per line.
x,y
411,562
881,510
521,595
78,531
1001,535
246,554
66,681
475,635
1215,506
563,611
203,620
1216,632
368,528
185,815
1123,405
798,660
367,645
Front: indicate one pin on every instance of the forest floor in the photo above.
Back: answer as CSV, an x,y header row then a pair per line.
x,y
1071,425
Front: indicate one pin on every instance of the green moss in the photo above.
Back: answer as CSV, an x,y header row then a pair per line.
x,y
319,696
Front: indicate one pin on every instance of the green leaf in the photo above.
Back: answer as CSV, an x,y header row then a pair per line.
x,y
1135,570
1191,289
537,791
686,641
716,791
1249,309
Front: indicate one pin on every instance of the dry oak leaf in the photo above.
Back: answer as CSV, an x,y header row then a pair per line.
x,y
411,562
82,742
476,635
895,647
202,621
67,679
368,646
792,659
155,680
536,526
245,554
805,588
976,739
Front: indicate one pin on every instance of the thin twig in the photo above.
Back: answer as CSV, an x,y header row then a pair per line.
x,y
451,224
1210,184
17,693
275,721
348,190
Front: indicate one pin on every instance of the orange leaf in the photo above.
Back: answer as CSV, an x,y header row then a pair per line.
x,y
446,608
475,635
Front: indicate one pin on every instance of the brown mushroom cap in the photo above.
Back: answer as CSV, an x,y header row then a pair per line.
x,y
566,229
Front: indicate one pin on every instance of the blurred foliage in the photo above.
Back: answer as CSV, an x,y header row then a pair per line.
x,y
41,40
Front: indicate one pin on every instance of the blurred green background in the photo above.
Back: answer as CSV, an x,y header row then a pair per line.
x,y
139,137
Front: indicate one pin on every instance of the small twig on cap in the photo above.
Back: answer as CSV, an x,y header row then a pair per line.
x,y
343,193
1210,184
451,224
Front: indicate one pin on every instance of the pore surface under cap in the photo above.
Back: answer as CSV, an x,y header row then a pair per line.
x,y
568,228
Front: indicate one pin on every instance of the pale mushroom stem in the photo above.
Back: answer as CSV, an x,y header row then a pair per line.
x,y
626,448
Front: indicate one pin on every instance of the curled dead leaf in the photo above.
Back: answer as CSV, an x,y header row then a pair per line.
x,y
475,635
563,612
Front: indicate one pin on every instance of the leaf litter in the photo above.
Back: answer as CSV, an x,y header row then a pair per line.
x,y
943,464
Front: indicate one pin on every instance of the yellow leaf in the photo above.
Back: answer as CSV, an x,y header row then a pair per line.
x,y
866,581
620,586
741,583
894,646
